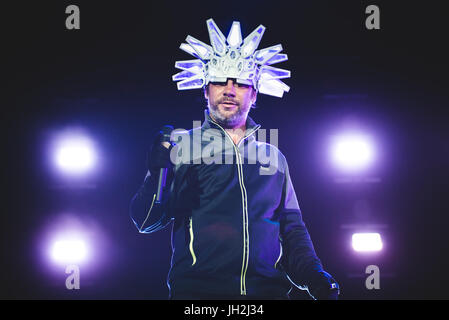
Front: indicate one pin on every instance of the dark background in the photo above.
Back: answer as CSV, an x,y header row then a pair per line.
x,y
113,78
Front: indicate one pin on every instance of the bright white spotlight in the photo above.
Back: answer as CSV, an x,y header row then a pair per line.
x,y
69,251
74,154
367,242
352,152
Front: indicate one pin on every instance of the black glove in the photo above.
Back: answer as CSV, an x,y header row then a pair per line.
x,y
159,156
324,287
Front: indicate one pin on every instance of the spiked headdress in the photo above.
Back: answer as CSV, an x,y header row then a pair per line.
x,y
232,57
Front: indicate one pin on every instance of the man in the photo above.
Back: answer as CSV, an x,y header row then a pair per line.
x,y
238,231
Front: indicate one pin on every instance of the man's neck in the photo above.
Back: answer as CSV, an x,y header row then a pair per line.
x,y
237,133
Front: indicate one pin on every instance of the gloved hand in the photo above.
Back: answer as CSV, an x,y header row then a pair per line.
x,y
159,155
324,287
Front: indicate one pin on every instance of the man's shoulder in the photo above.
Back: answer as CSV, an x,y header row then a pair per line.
x,y
270,148
272,154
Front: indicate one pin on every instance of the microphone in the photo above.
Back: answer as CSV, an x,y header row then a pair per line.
x,y
165,135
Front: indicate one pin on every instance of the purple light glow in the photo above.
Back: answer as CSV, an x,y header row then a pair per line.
x,y
69,250
74,152
71,239
367,242
352,152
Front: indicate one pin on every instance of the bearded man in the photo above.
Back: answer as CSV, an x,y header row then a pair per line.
x,y
238,231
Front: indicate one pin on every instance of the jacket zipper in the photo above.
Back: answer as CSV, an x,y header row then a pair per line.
x,y
191,242
245,259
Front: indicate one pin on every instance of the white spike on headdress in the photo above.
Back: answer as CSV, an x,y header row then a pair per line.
x,y
234,58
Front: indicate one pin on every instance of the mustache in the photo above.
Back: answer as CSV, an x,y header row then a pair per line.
x,y
228,100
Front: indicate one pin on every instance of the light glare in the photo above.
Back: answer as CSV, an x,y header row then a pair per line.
x,y
74,154
367,242
69,251
352,152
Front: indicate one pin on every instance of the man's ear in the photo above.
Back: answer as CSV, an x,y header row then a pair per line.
x,y
206,92
254,96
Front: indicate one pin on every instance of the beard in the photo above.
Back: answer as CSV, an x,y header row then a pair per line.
x,y
228,120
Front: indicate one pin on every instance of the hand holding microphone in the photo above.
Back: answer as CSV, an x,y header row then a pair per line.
x,y
158,159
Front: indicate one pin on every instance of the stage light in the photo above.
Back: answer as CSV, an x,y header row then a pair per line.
x,y
69,251
74,153
352,152
67,238
69,242
367,242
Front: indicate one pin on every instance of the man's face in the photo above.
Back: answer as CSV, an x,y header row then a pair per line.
x,y
229,103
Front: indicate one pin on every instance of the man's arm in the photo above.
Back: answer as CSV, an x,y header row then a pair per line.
x,y
300,260
148,215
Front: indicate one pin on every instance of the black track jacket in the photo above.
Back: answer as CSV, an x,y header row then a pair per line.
x,y
238,229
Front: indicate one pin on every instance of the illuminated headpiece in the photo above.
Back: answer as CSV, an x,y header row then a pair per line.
x,y
232,58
